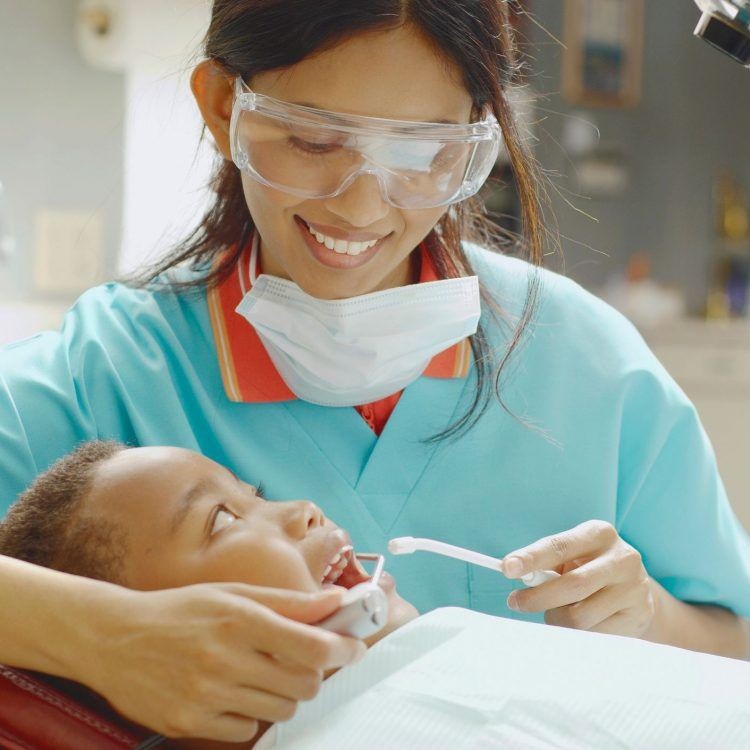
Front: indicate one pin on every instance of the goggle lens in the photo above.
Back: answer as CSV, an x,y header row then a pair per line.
x,y
319,160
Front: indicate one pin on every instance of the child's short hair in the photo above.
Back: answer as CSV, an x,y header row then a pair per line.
x,y
45,526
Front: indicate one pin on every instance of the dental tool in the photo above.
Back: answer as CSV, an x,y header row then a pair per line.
x,y
405,545
364,607
725,25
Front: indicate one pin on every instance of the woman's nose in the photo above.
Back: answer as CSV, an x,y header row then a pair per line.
x,y
300,517
361,204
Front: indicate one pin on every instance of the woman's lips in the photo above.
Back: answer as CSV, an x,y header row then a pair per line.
x,y
332,259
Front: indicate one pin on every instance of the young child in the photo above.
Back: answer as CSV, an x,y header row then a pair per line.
x,y
155,518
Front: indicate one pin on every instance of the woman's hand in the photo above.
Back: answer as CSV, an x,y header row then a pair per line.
x,y
210,660
603,585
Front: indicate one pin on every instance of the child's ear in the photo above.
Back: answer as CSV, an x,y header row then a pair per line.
x,y
213,89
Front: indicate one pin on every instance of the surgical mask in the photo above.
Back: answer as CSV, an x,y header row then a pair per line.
x,y
355,351
314,153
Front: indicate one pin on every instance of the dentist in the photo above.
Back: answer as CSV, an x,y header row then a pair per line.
x,y
345,324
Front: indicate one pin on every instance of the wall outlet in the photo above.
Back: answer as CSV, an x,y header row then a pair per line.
x,y
67,251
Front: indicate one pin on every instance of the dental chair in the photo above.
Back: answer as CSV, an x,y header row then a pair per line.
x,y
39,712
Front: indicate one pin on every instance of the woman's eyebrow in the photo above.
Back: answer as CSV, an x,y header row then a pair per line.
x,y
342,118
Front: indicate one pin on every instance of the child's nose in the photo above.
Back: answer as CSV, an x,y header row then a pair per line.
x,y
300,517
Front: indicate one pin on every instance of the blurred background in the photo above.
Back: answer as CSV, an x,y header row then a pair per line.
x,y
640,128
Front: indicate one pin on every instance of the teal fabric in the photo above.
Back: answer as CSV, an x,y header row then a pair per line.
x,y
600,431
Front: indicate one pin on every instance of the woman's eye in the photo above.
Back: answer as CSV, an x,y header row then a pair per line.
x,y
311,147
222,519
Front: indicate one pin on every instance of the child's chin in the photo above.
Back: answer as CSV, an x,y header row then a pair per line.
x,y
400,612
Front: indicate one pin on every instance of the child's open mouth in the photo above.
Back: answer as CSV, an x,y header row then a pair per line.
x,y
344,570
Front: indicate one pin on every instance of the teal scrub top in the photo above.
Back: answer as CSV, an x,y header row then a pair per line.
x,y
601,432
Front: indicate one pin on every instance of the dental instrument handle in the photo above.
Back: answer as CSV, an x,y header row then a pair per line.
x,y
538,577
405,545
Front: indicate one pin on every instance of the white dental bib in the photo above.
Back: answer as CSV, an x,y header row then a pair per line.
x,y
463,680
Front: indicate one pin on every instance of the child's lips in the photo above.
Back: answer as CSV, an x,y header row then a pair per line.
x,y
387,582
353,574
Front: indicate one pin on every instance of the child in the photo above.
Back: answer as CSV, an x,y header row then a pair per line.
x,y
155,518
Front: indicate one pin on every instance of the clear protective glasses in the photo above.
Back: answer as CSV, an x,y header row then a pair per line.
x,y
314,153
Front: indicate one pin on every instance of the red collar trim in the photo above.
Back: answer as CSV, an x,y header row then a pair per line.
x,y
247,371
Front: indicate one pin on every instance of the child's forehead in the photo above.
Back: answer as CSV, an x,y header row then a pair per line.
x,y
146,482
153,460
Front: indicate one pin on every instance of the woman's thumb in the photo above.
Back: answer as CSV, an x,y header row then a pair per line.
x,y
301,606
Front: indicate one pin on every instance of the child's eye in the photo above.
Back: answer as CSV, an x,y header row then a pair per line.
x,y
222,519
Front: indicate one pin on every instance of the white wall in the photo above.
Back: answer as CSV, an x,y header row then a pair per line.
x,y
165,171
61,136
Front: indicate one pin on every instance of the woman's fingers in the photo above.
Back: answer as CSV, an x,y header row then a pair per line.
x,y
590,612
585,540
223,728
574,586
301,644
290,681
296,605
248,701
209,660
603,586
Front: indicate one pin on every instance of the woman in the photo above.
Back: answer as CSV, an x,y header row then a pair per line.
x,y
545,429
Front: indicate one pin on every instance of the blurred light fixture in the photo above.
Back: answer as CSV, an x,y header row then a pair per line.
x,y
725,25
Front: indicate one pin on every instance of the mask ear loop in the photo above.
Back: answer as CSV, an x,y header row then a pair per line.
x,y
253,260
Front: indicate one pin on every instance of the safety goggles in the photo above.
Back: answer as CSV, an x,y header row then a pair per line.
x,y
314,153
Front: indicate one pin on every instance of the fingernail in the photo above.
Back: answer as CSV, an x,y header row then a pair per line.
x,y
360,654
332,592
512,602
513,567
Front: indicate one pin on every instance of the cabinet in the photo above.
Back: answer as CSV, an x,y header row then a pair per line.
x,y
711,363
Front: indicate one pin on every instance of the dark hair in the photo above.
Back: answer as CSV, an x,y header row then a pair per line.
x,y
246,37
45,525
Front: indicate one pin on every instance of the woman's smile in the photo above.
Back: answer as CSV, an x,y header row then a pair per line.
x,y
356,254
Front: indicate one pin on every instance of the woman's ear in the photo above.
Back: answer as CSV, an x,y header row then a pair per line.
x,y
213,90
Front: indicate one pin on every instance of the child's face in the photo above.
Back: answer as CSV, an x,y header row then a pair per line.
x,y
190,520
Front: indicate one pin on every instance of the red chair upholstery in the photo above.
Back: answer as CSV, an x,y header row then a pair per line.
x,y
39,712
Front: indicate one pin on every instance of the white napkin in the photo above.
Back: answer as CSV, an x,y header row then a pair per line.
x,y
459,679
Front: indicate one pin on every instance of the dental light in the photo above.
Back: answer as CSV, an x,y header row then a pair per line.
x,y
725,24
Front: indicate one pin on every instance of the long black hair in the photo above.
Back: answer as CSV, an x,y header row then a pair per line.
x,y
246,37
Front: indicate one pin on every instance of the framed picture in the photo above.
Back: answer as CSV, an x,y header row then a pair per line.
x,y
603,52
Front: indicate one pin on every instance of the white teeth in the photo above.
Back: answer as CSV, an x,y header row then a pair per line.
x,y
338,564
341,247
